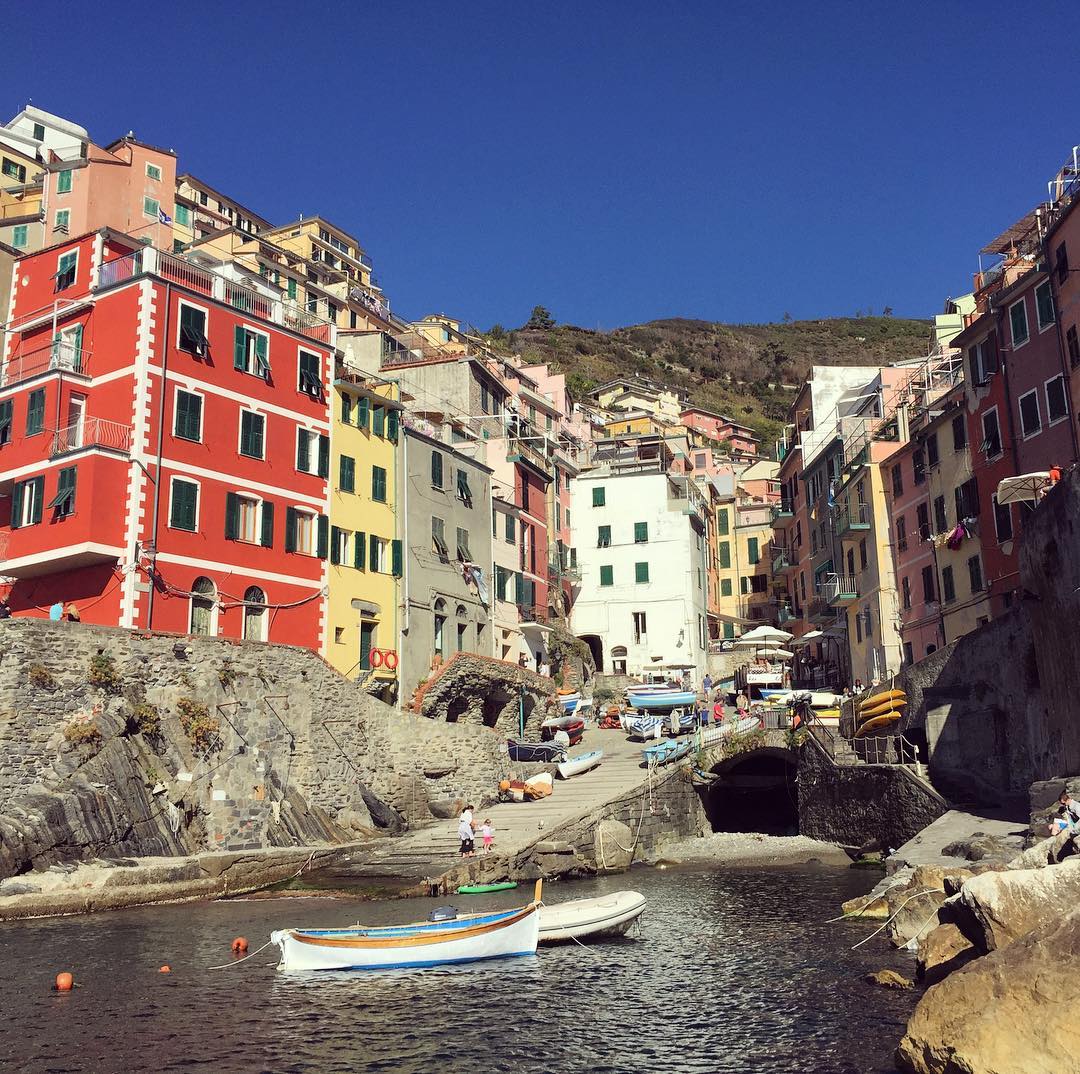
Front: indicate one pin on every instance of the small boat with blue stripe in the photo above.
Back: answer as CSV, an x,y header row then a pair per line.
x,y
643,724
661,700
682,720
569,702
667,751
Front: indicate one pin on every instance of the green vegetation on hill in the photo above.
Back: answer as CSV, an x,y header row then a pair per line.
x,y
745,371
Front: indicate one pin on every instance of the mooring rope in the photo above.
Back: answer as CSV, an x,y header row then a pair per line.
x,y
236,962
918,894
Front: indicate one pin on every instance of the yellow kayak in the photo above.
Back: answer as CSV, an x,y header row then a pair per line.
x,y
881,710
875,700
878,723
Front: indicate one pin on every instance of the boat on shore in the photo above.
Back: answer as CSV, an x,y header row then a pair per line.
x,y
663,700
590,919
569,702
665,752
571,724
575,766
473,938
545,752
643,725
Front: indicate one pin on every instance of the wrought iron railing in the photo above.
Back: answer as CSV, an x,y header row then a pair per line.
x,y
55,355
91,432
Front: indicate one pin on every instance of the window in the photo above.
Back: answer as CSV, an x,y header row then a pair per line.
x,y
188,424
905,593
39,132
918,467
464,493
722,524
35,412
1061,262
63,181
862,554
436,470
991,444
19,239
858,627
151,207
1057,408
438,539
1003,526
339,545
6,409
607,575
931,450
509,530
203,612
249,519
959,433
392,419
909,653
928,585
1044,305
948,586
66,267
922,521
306,532
463,551
723,550
901,535
941,523
1030,419
752,553
153,172
641,572
310,374
1071,340
897,480
254,614
599,496
290,286
641,533
378,420
379,554
14,170
251,351
974,567
603,536
725,587
347,473
378,484
983,360
641,630
183,505
312,452
1018,323
182,215
440,627
252,434
967,499
27,501
193,330
62,221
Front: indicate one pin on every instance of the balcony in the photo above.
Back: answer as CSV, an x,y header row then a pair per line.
x,y
91,433
532,613
840,590
241,296
851,521
782,559
818,610
65,357
780,510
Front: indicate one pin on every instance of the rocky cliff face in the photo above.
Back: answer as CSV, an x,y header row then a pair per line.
x,y
119,744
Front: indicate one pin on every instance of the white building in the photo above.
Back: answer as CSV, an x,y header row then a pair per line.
x,y
639,538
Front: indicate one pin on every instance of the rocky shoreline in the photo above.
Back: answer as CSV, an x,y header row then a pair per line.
x,y
739,849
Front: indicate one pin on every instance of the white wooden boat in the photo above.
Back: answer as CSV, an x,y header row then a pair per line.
x,y
472,938
574,766
594,919
643,725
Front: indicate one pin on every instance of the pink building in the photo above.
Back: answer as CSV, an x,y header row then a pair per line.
x,y
739,438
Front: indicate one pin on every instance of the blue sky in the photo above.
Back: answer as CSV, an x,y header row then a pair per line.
x,y
617,162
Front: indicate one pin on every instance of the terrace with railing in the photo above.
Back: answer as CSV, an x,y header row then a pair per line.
x,y
91,433
839,590
854,519
57,355
153,262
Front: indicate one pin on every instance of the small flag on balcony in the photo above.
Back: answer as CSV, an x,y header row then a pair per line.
x,y
164,217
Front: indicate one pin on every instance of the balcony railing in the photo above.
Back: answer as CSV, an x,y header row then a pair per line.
x,y
532,613
55,355
212,284
850,520
818,610
780,510
839,590
781,558
91,433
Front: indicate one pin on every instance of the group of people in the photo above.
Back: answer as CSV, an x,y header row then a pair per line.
x,y
467,829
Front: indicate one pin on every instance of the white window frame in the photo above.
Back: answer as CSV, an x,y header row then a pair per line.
x,y
150,169
1053,307
65,222
997,421
176,412
1024,434
204,310
157,206
68,253
259,502
240,433
303,511
1065,396
1017,344
313,450
28,503
251,362
342,536
382,556
215,605
173,478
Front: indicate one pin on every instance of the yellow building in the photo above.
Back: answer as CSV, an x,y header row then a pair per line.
x,y
22,223
632,423
365,540
743,567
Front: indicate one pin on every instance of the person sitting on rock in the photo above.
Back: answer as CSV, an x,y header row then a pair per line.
x,y
1068,814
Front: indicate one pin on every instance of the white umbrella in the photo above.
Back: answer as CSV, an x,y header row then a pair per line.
x,y
776,654
1024,488
766,634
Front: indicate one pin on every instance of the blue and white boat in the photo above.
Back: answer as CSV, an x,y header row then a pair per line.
x,y
661,700
682,720
643,724
667,751
569,702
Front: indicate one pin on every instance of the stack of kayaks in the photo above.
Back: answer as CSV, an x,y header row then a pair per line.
x,y
879,712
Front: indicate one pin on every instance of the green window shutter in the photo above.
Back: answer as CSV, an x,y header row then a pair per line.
x,y
267,524
500,583
323,536
729,631
292,288
744,585
63,182
16,504
392,426
303,450
599,497
752,550
346,408
725,553
335,545
262,355
359,550
347,474
378,420
378,484
511,529
373,552
66,484
38,484
184,503
641,572
436,470
239,360
6,408
35,412
76,347
20,236
290,529
324,455
641,532
519,588
232,516
603,536
395,559
725,587
607,575
245,433
362,413
722,526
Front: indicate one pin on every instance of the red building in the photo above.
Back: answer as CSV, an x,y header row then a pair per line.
x,y
163,445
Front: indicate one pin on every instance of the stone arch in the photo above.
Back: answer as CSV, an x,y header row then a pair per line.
x,y
755,791
596,647
499,702
457,707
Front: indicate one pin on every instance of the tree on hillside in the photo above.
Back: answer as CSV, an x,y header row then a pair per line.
x,y
496,331
541,318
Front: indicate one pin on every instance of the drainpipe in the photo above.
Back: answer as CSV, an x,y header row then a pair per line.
x,y
403,499
157,468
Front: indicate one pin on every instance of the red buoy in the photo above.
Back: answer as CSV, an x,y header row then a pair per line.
x,y
64,982
165,969
239,945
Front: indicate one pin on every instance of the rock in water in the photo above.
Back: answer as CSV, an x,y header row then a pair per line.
x,y
941,951
890,979
1007,1013
613,846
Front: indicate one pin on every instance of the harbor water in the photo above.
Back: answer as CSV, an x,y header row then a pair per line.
x,y
730,970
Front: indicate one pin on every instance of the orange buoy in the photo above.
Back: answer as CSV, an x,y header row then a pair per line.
x,y
239,945
165,969
64,982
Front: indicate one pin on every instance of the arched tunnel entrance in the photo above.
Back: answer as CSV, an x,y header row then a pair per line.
x,y
754,792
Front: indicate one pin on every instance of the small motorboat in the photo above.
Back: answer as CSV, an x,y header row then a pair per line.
x,y
667,751
661,700
572,725
475,937
643,725
569,702
574,766
546,752
590,919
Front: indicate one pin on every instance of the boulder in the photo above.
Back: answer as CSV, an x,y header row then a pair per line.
x,y
1007,1013
447,808
1043,800
890,979
995,909
915,907
875,903
613,846
941,951
981,847
1048,851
